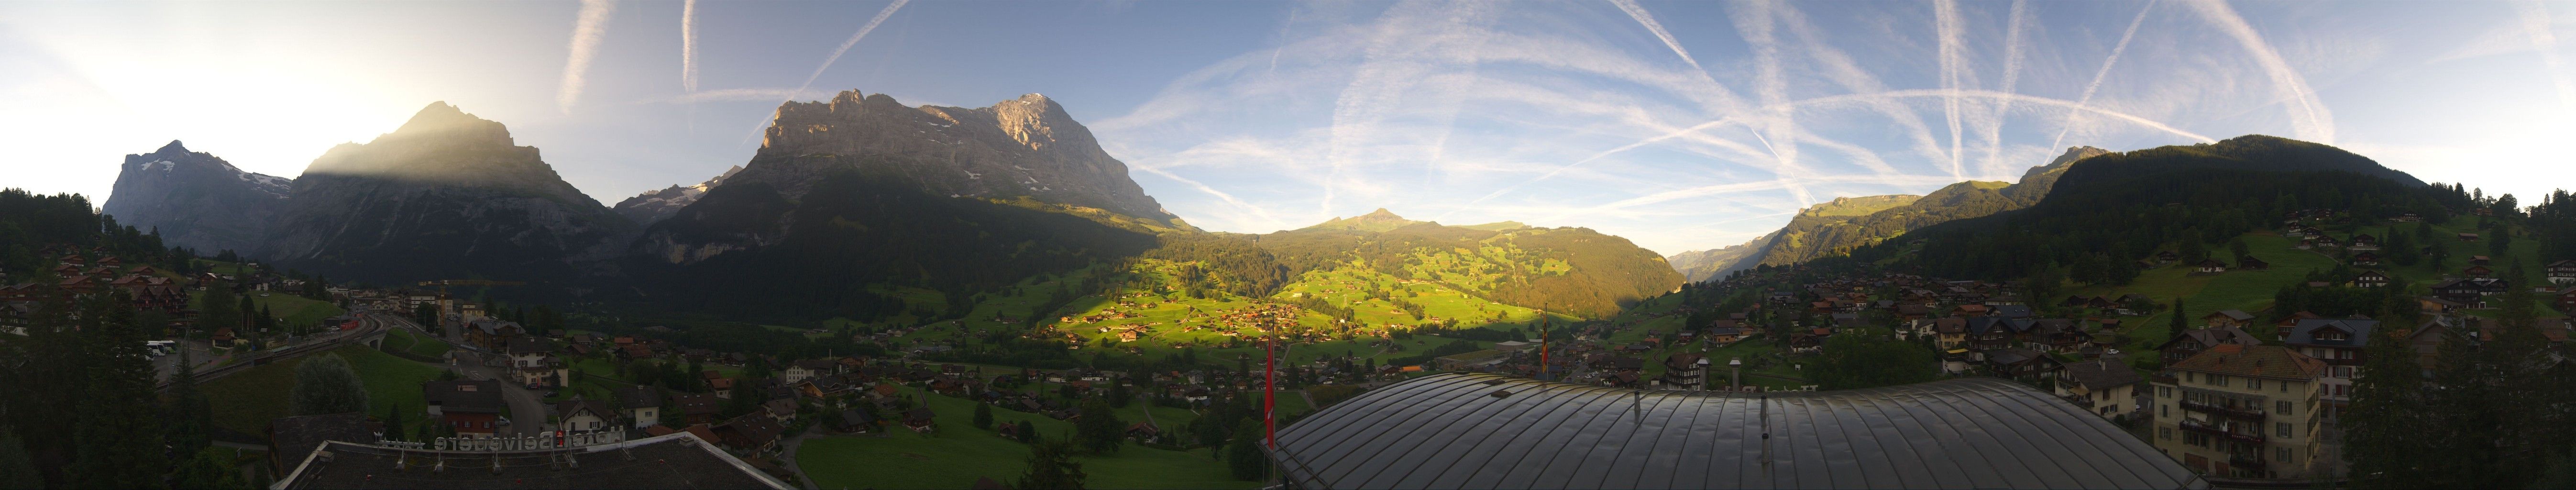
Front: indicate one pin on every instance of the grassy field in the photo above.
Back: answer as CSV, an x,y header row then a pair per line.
x,y
244,402
416,344
959,453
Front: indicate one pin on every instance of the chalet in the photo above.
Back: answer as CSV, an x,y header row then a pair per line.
x,y
2470,292
1805,344
2468,237
2562,272
584,415
782,410
1950,332
2369,280
808,369
535,360
1989,333
2167,257
1725,335
470,407
1969,310
493,334
920,419
2059,335
2227,318
2364,242
751,433
857,420
2209,266
2480,260
2365,258
2192,343
2407,218
641,404
2324,241
2105,386
2019,363
2432,304
2567,300
2337,341
2477,271
696,408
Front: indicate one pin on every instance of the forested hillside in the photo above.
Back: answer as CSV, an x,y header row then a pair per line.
x,y
2163,198
1836,227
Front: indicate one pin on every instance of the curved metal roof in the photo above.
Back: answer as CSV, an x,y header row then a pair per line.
x,y
1488,431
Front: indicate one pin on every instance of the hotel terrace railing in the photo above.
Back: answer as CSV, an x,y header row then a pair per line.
x,y
2205,428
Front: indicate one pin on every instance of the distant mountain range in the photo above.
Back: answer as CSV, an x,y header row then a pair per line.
x,y
1837,226
845,200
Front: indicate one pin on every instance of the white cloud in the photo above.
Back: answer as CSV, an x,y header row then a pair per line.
x,y
588,28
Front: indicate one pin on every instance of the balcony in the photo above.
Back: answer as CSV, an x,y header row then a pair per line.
x,y
2205,428
2247,413
2247,461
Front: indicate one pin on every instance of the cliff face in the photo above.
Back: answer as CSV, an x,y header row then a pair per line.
x,y
1026,147
1022,147
195,199
447,195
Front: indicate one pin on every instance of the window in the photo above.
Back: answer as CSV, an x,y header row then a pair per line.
x,y
2285,386
2191,376
2284,454
2218,380
2252,383
2164,410
2283,407
2283,428
2165,433
2164,391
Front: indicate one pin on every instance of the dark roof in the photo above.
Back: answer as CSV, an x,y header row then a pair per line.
x,y
1464,430
2101,374
2357,330
2253,361
2214,336
2013,311
640,396
530,345
450,396
678,460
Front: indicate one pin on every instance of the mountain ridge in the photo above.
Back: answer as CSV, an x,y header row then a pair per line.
x,y
1836,227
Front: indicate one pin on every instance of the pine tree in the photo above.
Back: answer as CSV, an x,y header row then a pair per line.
x,y
984,416
1098,430
393,423
1244,456
17,468
2384,427
1051,466
207,469
191,417
2177,325
120,431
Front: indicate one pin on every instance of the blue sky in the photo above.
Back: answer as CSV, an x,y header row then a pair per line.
x,y
1679,125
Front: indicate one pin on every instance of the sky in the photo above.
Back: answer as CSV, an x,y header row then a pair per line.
x,y
1679,125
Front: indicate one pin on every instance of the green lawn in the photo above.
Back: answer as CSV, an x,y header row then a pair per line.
x,y
416,344
244,402
960,453
295,310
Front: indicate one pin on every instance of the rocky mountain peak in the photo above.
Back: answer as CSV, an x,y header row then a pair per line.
x,y
172,189
1026,146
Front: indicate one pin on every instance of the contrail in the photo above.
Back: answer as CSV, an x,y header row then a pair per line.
x,y
2101,74
2012,78
1638,12
1859,98
2535,20
1945,23
689,46
2308,116
827,61
586,32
